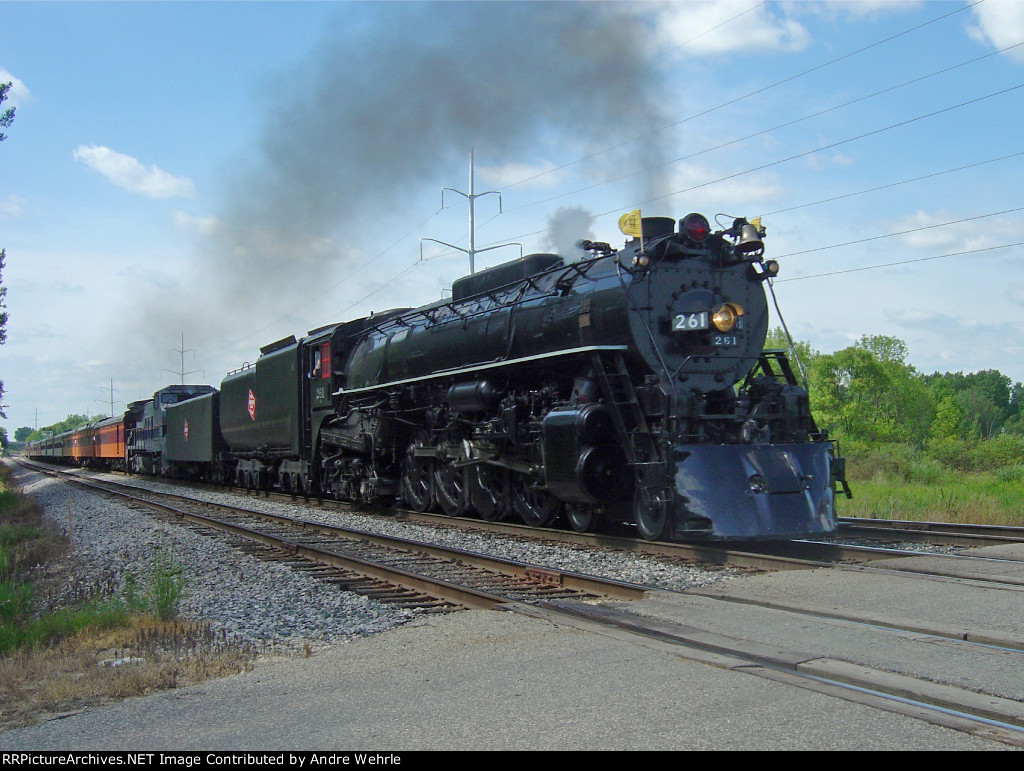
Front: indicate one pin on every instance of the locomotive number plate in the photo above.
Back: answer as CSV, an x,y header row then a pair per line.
x,y
689,322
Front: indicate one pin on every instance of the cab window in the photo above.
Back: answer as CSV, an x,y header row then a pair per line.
x,y
325,359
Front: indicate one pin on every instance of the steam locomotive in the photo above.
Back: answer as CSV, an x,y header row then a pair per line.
x,y
626,386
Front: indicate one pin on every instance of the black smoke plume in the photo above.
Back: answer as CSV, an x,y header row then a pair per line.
x,y
388,105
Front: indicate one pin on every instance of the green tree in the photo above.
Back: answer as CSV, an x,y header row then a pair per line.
x,y
1014,423
6,119
989,398
867,391
887,349
950,420
3,322
70,422
21,434
984,415
3,298
776,339
7,116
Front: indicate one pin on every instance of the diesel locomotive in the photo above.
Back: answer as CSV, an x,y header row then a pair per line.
x,y
629,386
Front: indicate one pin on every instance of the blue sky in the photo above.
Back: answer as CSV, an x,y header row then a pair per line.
x,y
238,172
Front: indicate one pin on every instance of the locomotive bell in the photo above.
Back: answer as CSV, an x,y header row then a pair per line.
x,y
750,242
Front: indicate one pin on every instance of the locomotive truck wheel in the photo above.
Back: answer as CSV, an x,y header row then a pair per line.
x,y
489,492
652,518
583,517
417,480
535,507
450,489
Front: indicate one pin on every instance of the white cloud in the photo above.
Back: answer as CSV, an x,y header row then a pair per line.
x,y
149,276
709,28
1015,294
126,172
697,183
19,93
821,160
11,207
1000,23
854,9
535,175
930,233
204,226
63,287
930,320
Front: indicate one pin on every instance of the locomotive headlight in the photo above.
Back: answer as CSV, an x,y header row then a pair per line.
x,y
725,316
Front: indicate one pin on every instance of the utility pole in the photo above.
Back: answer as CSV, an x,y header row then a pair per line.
x,y
182,351
112,390
471,196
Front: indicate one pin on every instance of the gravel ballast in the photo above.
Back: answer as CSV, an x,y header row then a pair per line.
x,y
270,604
256,601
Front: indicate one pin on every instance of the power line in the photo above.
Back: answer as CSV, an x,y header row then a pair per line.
x,y
855,193
387,283
900,262
831,199
899,233
747,95
831,145
650,133
892,184
806,153
762,132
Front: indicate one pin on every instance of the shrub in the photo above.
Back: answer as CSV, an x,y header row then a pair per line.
x,y
998,452
1008,474
952,452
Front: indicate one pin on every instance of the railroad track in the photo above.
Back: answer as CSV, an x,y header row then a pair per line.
x,y
403,571
771,555
949,533
982,715
743,555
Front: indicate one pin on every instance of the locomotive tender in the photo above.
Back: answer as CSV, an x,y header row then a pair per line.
x,y
629,386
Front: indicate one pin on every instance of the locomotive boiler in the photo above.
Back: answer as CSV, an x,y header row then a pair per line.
x,y
628,386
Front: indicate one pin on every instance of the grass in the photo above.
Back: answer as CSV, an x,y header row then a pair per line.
x,y
29,631
900,483
969,500
105,643
98,665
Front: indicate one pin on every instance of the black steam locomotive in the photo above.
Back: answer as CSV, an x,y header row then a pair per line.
x,y
628,386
